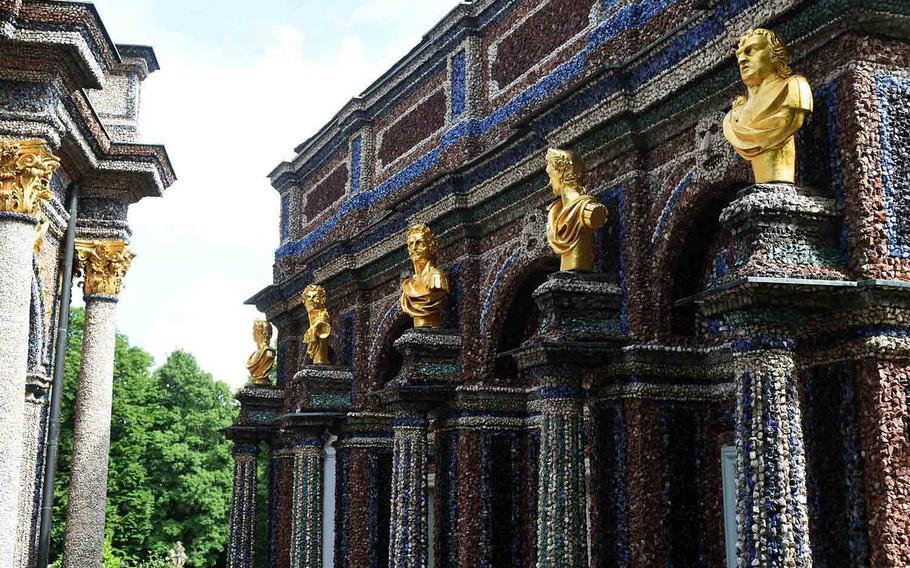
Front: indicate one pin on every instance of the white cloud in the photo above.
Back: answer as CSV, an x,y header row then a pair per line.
x,y
208,244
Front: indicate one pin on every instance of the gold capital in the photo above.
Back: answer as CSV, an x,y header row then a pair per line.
x,y
103,264
26,167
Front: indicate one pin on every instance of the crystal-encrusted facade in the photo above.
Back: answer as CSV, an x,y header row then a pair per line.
x,y
580,421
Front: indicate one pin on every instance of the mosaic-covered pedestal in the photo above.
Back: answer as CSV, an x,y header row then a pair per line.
x,y
363,504
260,406
783,230
580,330
428,375
785,247
321,388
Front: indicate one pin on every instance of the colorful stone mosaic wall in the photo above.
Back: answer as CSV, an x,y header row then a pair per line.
x,y
769,317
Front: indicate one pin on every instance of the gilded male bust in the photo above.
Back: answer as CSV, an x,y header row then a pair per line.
x,y
260,362
423,294
317,335
762,125
574,217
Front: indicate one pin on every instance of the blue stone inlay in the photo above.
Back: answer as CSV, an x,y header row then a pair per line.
x,y
285,216
827,94
670,205
632,17
893,96
459,82
491,293
761,343
356,159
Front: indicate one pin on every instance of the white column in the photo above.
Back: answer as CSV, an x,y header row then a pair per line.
x,y
22,194
16,238
104,263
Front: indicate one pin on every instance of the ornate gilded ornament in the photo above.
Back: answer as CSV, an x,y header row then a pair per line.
x,y
103,264
26,168
762,125
574,217
259,364
40,232
423,295
317,335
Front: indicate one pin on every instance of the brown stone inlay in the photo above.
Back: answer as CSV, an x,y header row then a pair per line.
x,y
538,36
326,193
884,416
414,127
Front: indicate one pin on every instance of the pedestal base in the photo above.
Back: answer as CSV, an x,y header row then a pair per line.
x,y
783,231
321,388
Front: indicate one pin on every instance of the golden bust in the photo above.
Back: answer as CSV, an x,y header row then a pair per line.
x,y
317,335
762,125
260,363
573,217
423,295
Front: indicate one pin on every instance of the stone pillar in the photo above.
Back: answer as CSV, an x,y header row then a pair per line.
x,y
429,374
365,441
561,497
306,519
580,331
884,415
243,506
26,168
103,264
785,238
408,541
771,470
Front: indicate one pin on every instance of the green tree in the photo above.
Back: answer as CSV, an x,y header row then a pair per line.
x,y
170,468
191,461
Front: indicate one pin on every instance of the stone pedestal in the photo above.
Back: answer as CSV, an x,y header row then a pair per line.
x,y
17,236
260,408
786,267
784,231
85,510
321,388
364,445
429,373
581,329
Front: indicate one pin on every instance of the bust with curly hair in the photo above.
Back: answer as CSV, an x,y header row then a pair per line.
x,y
762,125
573,218
259,364
423,294
317,334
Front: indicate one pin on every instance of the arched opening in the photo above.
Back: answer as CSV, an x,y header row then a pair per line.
x,y
522,317
705,256
392,361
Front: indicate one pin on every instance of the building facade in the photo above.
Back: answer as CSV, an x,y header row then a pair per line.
x,y
69,102
733,380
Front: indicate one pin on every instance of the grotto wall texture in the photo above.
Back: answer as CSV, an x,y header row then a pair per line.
x,y
768,317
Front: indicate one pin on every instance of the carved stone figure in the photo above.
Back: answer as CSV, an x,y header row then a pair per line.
x,y
714,157
574,217
762,125
177,555
260,363
317,335
423,294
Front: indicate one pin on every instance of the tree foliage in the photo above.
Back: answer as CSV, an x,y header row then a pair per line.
x,y
170,467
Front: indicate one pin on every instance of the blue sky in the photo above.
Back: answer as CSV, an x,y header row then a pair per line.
x,y
240,85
